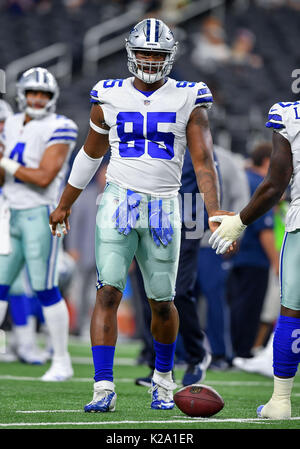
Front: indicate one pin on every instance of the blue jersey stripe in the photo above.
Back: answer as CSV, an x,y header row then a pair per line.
x,y
274,125
203,91
275,117
67,130
94,101
62,138
204,100
94,93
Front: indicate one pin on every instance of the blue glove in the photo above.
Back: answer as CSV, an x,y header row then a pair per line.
x,y
127,212
159,223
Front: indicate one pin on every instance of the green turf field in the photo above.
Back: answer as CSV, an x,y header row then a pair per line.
x,y
27,402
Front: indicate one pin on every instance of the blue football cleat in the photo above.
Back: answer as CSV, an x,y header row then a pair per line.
x,y
162,393
258,411
104,400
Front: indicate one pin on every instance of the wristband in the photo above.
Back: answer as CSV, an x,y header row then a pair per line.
x,y
9,165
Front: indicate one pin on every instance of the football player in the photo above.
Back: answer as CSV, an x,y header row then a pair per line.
x,y
284,119
147,120
38,145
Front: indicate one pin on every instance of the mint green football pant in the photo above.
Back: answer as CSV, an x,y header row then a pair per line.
x,y
289,271
115,251
33,245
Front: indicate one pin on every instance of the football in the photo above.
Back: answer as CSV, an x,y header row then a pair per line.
x,y
198,400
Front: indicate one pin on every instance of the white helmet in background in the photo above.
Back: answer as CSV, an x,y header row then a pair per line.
x,y
151,35
5,110
37,79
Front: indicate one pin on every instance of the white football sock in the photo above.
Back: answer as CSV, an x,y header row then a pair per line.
x,y
166,376
57,319
282,388
3,309
24,335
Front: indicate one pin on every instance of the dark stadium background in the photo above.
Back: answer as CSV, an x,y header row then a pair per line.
x,y
242,94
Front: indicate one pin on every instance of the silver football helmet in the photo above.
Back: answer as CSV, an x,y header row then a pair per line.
x,y
151,35
37,79
5,110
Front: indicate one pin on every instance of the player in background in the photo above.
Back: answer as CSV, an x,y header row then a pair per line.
x,y
147,120
22,305
38,145
284,119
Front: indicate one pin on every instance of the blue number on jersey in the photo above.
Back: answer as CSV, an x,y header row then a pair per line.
x,y
185,83
112,83
296,113
161,144
17,155
135,136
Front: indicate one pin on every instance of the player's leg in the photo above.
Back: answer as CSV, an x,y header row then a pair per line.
x,y
41,253
114,254
10,265
159,265
286,344
20,310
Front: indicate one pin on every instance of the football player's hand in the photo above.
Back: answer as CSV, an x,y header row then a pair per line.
x,y
59,221
159,223
225,236
127,213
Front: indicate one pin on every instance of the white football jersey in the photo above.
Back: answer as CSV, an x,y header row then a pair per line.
x,y
285,118
27,144
148,132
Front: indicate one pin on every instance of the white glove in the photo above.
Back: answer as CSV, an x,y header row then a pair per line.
x,y
60,229
229,231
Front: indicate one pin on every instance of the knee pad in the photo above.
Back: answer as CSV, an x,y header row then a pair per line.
x,y
49,297
159,287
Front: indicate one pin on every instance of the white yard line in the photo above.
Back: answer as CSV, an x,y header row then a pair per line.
x,y
171,421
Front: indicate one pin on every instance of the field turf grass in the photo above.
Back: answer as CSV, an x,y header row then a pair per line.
x,y
28,403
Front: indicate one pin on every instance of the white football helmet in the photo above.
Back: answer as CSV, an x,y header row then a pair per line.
x,y
151,35
5,110
37,79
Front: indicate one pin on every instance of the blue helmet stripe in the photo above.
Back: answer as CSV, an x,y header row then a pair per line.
x,y
156,30
148,30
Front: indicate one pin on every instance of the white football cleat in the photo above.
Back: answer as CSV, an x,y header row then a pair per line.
x,y
31,355
60,370
275,409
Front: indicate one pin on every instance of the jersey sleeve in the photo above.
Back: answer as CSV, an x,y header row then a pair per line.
x,y
97,93
276,120
204,96
63,131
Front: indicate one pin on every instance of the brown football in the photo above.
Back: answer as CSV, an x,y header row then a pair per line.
x,y
198,400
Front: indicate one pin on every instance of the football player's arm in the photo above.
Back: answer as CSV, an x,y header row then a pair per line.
x,y
266,196
275,183
50,165
84,167
200,145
